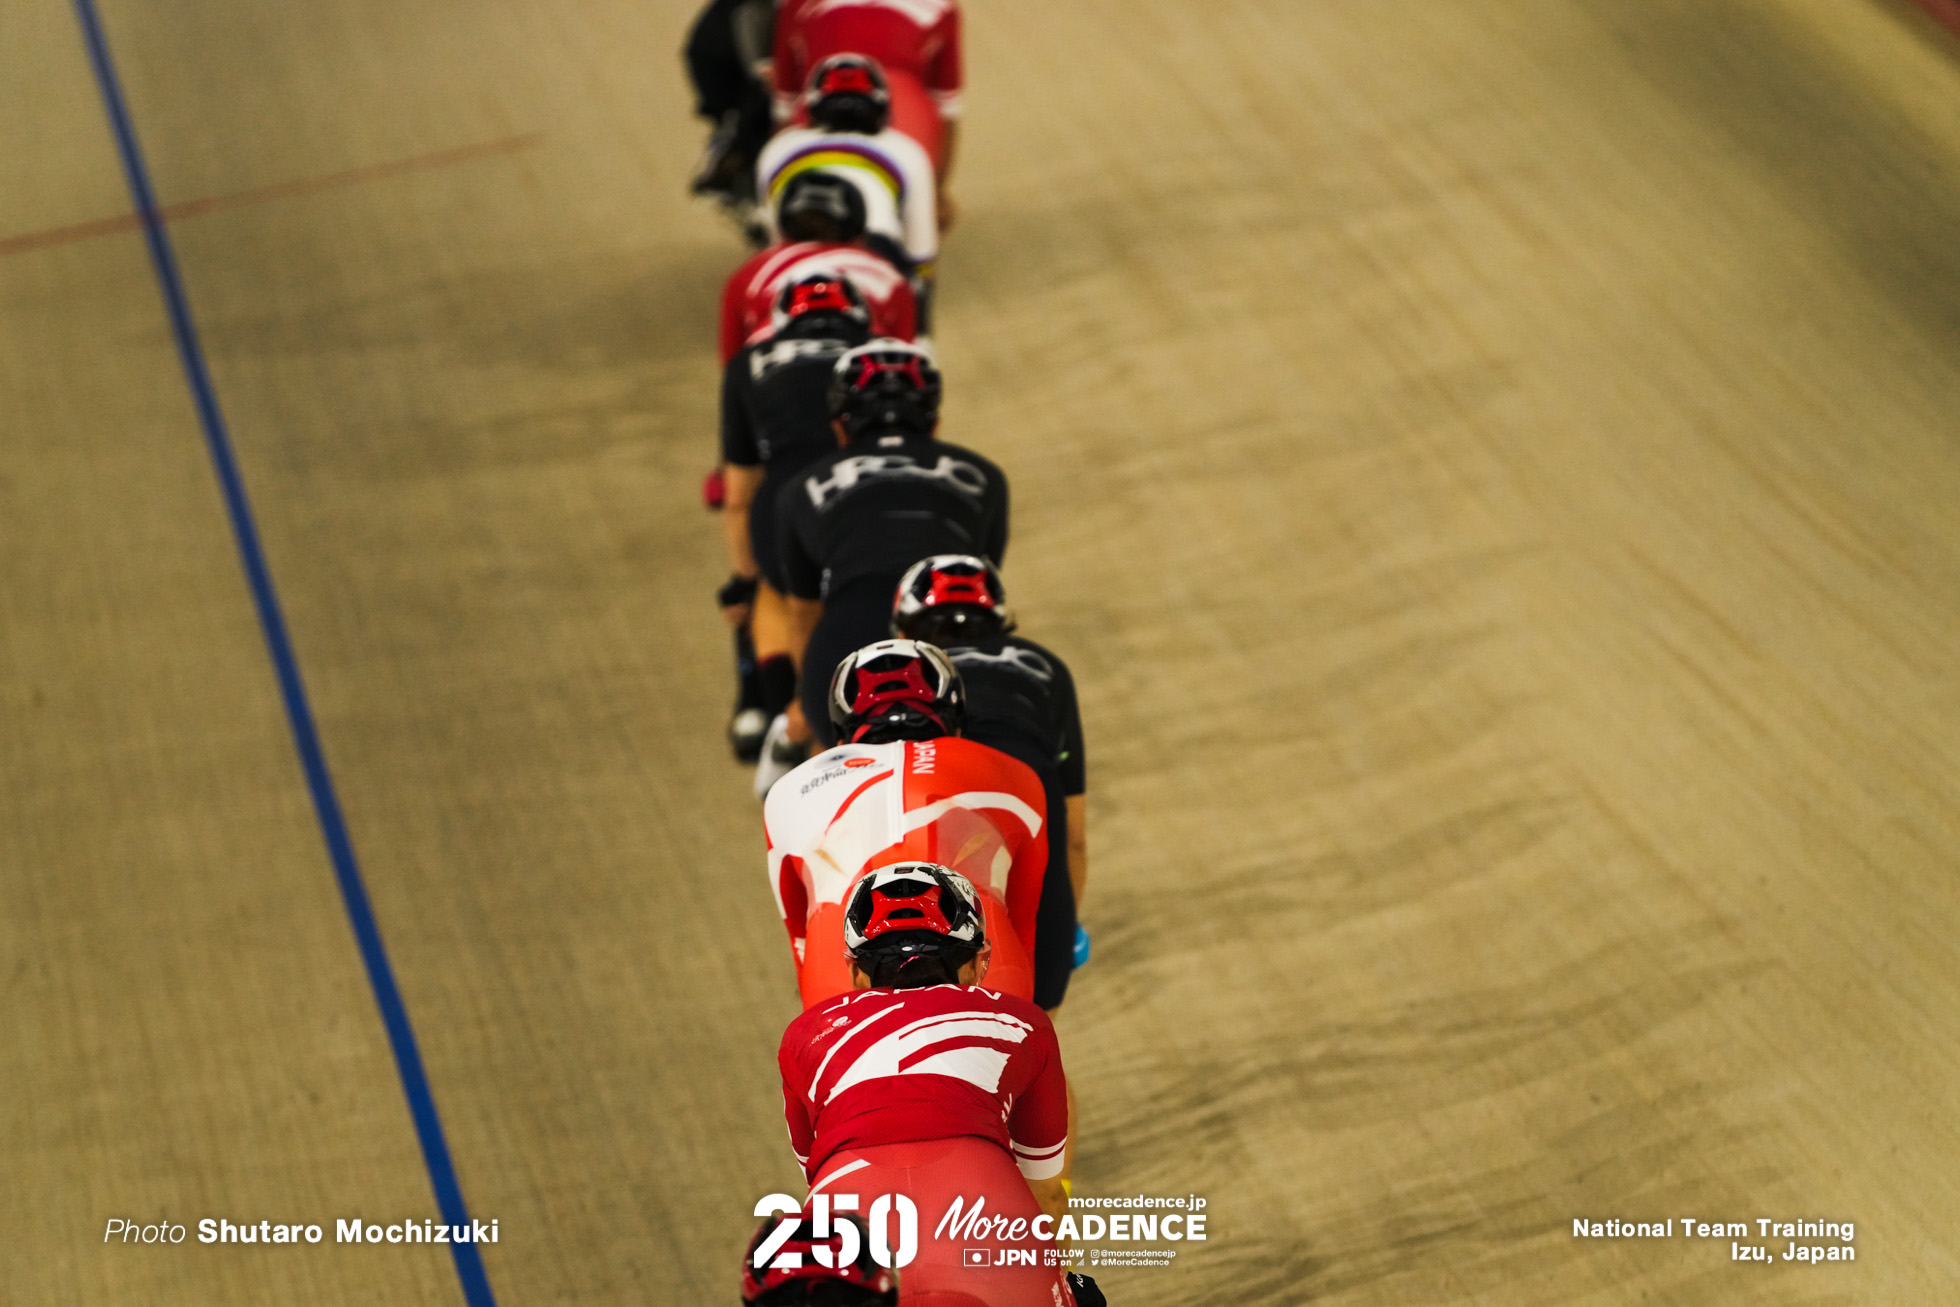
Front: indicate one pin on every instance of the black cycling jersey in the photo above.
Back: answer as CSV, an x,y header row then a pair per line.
x,y
773,407
1016,687
1054,921
875,507
775,412
727,41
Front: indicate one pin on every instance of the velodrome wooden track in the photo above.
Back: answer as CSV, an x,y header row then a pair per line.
x,y
1493,465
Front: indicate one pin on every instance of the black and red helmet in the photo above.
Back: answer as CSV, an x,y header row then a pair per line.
x,y
896,690
823,296
849,93
860,1282
951,595
913,907
885,385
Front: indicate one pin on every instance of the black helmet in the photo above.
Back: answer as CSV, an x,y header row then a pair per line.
x,y
848,93
817,205
949,596
885,385
896,690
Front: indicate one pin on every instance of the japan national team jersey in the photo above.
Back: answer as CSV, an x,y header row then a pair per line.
x,y
889,169
896,1066
859,807
749,296
914,40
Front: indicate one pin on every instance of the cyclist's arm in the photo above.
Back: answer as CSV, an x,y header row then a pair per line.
x,y
1073,766
1051,1195
1038,1124
949,139
739,483
1078,845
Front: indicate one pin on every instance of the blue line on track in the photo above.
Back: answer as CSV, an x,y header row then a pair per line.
x,y
306,738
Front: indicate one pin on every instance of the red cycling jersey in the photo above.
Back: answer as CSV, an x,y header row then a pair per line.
x,y
749,296
938,1095
859,807
898,1066
916,41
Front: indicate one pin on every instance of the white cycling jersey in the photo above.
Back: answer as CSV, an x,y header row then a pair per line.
x,y
889,169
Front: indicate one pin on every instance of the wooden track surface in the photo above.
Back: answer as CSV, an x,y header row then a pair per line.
x,y
1492,465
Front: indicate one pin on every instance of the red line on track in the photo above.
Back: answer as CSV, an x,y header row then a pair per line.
x,y
82,231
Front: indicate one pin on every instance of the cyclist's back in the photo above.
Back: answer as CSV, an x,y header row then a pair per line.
x,y
862,806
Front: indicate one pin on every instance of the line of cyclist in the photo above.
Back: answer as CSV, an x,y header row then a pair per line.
x,y
921,763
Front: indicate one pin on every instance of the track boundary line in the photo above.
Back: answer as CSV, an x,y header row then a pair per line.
x,y
299,713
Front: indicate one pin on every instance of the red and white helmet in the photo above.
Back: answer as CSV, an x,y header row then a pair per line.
x,y
896,689
859,1282
913,907
948,595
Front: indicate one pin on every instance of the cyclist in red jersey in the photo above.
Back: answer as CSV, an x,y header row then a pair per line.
x,y
902,786
822,218
916,41
921,1084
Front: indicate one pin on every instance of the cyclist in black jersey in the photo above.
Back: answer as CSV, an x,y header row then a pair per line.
x,y
1020,700
775,421
891,494
728,51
